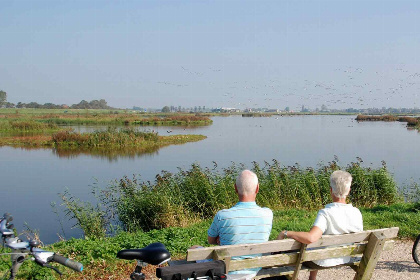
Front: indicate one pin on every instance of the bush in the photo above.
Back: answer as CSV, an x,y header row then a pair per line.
x,y
92,220
197,194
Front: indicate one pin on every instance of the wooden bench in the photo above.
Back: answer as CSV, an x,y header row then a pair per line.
x,y
366,244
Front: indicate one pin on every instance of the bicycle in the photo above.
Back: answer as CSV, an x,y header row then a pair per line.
x,y
416,250
156,254
21,250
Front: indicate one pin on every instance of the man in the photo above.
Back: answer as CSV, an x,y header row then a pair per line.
x,y
336,218
245,222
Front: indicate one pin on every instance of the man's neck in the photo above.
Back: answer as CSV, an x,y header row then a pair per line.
x,y
246,198
339,200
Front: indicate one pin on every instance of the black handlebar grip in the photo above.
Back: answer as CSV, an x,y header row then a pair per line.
x,y
67,262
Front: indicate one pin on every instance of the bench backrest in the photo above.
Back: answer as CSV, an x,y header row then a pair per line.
x,y
365,243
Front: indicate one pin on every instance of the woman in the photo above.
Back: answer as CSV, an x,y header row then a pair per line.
x,y
337,217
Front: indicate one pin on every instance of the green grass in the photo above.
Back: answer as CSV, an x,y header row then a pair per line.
x,y
405,216
98,255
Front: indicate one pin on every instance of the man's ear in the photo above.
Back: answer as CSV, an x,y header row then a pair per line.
x,y
257,189
236,189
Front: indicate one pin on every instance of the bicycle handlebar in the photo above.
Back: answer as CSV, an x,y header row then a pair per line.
x,y
67,262
21,248
5,227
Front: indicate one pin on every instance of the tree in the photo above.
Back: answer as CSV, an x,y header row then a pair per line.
x,y
9,105
287,109
3,97
166,109
103,104
35,105
82,105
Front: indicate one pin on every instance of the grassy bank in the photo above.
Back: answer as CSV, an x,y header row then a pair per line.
x,y
112,139
98,255
102,117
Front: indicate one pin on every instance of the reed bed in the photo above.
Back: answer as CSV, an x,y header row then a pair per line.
x,y
110,143
411,121
93,117
123,138
111,137
126,119
26,126
196,194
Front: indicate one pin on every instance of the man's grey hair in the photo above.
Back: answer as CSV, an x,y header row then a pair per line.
x,y
246,182
340,182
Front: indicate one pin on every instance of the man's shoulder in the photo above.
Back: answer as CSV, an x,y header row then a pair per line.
x,y
267,210
233,211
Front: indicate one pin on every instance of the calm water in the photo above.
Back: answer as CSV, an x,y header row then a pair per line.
x,y
31,179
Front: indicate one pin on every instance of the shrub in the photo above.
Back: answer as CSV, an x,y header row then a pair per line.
x,y
198,193
92,220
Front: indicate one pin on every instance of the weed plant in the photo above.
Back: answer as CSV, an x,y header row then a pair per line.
x,y
189,196
89,218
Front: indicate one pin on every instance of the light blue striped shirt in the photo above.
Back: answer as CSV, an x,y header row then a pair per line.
x,y
246,222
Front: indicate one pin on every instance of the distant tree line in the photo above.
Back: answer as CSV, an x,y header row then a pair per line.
x,y
94,104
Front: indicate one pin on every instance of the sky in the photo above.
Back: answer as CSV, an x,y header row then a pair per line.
x,y
231,53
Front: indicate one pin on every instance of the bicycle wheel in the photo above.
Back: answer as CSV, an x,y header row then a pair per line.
x,y
416,250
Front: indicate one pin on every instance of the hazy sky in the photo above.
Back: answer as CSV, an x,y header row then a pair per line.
x,y
231,53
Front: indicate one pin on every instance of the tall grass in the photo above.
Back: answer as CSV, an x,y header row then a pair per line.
x,y
195,194
111,137
25,126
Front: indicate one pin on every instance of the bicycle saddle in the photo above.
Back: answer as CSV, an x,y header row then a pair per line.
x,y
154,254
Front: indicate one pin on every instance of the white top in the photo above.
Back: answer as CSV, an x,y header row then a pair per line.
x,y
338,218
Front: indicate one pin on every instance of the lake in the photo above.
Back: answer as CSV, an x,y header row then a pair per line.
x,y
32,178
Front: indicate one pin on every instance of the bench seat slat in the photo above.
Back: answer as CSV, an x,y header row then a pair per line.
x,y
291,258
288,270
288,244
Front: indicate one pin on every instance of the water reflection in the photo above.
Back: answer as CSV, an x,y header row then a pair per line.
x,y
107,154
110,155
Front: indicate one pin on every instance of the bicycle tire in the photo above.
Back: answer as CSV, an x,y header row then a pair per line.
x,y
416,250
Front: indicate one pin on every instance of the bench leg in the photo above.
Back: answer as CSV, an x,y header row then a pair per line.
x,y
371,256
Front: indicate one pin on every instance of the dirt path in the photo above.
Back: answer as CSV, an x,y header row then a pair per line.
x,y
395,264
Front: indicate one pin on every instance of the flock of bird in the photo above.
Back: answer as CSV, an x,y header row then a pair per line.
x,y
348,87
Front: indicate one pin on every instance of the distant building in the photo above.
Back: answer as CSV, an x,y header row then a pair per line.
x,y
226,110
